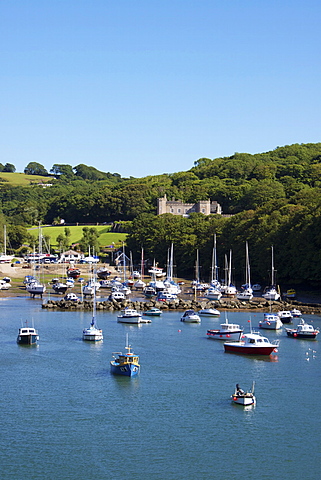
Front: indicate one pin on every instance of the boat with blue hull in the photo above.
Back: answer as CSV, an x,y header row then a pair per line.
x,y
27,336
153,312
126,364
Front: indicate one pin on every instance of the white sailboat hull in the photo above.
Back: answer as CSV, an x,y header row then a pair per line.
x,y
92,335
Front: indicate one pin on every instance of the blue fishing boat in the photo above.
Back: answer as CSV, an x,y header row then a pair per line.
x,y
125,363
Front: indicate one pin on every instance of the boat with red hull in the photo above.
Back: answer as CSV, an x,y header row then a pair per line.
x,y
252,344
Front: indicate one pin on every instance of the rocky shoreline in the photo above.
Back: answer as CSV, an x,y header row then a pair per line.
x,y
257,304
308,305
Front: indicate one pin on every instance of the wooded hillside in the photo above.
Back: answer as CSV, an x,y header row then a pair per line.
x,y
270,198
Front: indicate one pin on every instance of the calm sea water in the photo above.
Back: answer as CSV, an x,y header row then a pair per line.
x,y
64,416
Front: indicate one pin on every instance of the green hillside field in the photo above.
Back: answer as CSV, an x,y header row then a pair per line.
x,y
106,237
21,179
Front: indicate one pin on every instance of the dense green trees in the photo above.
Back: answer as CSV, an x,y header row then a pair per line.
x,y
62,169
8,167
34,168
63,239
89,240
295,232
267,198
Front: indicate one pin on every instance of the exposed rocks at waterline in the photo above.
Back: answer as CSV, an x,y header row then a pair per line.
x,y
256,304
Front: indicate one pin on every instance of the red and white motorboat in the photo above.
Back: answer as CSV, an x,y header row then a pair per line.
x,y
252,344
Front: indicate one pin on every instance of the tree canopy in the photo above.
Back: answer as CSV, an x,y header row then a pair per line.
x,y
34,168
8,167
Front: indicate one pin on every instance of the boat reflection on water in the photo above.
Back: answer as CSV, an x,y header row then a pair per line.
x,y
260,358
245,408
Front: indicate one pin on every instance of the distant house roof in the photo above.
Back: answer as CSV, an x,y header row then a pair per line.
x,y
72,252
44,185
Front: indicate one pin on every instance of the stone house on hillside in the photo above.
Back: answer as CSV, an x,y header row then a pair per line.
x,y
176,207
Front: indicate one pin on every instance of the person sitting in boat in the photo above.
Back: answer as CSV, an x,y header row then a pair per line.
x,y
239,390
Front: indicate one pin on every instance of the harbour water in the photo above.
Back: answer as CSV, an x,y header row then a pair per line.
x,y
64,416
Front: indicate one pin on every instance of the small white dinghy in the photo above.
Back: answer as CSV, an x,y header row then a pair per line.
x,y
243,398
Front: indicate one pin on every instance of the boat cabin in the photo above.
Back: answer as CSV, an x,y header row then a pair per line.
x,y
27,336
27,331
187,313
304,327
124,358
255,338
229,327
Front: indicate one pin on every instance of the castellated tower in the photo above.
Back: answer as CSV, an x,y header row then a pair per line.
x,y
161,205
203,206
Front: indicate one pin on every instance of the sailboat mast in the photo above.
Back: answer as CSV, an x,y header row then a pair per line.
x,y
230,270
93,321
124,263
142,264
168,271
225,270
247,259
197,268
39,241
5,239
214,272
131,264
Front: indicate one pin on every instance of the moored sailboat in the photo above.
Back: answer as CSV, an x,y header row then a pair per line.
x,y
93,333
246,293
4,258
228,289
270,292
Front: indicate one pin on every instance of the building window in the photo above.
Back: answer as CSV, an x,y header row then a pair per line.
x,y
178,210
203,210
172,210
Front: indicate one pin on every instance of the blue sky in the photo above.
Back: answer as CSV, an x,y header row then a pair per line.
x,y
143,87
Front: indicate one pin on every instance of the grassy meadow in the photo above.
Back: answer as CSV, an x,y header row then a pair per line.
x,y
106,237
21,179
